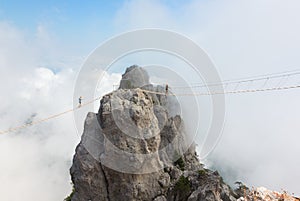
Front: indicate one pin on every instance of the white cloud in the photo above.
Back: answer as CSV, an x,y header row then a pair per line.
x,y
35,83
32,164
244,38
143,14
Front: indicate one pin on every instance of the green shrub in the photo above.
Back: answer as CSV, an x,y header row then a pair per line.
x,y
202,173
180,163
182,188
241,186
69,198
183,184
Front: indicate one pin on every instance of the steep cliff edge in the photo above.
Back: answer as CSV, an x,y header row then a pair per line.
x,y
136,149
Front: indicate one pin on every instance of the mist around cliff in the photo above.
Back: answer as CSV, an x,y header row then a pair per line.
x,y
40,60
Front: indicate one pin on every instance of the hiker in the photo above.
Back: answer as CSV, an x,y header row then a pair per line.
x,y
80,100
167,88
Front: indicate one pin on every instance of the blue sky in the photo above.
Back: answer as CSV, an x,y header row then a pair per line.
x,y
76,24
69,20
30,13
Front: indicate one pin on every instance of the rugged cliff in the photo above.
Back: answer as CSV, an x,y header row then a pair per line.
x,y
135,149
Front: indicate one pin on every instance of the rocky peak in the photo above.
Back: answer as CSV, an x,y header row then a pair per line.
x,y
136,149
134,77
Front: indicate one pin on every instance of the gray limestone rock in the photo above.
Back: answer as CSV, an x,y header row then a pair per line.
x,y
134,77
136,149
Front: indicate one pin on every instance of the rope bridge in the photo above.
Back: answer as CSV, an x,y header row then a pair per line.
x,y
278,82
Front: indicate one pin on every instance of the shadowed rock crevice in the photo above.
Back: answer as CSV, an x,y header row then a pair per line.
x,y
106,182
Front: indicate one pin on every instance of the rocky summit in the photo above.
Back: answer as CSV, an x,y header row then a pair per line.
x,y
136,149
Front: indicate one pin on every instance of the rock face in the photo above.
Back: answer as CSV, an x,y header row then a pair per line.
x,y
262,193
135,149
134,77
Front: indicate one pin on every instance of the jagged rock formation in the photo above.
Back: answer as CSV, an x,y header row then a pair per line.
x,y
134,77
135,149
262,193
